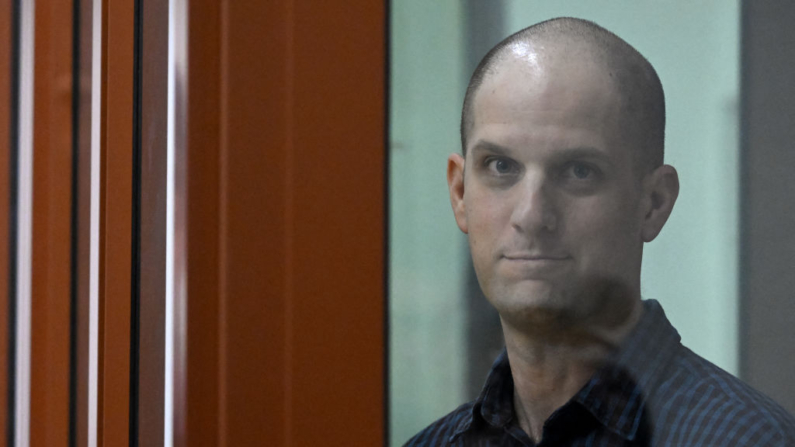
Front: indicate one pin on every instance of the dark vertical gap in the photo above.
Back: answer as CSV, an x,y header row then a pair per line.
x,y
387,102
484,28
73,224
13,212
767,354
135,308
743,263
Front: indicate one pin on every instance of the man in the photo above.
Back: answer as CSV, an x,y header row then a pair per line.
x,y
560,184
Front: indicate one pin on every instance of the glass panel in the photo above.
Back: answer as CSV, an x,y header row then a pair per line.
x,y
691,268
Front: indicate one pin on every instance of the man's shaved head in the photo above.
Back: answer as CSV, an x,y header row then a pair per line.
x,y
643,102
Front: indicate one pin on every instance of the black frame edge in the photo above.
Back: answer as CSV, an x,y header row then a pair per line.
x,y
13,213
135,277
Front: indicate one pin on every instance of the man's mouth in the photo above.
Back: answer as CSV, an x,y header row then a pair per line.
x,y
535,257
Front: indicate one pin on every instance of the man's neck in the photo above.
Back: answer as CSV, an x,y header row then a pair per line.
x,y
549,370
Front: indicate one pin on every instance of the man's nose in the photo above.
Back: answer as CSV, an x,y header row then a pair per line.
x,y
534,209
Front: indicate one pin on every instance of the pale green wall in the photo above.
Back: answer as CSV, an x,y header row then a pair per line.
x,y
691,267
426,249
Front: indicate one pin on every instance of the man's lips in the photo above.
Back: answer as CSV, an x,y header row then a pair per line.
x,y
535,257
534,265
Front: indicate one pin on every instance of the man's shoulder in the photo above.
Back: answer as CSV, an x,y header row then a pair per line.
x,y
700,402
440,431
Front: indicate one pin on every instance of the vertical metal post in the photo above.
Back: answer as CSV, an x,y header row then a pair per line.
x,y
768,186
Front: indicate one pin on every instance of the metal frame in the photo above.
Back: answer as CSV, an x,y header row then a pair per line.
x,y
767,354
149,335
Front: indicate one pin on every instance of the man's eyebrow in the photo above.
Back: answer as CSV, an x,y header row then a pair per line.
x,y
583,152
578,152
487,146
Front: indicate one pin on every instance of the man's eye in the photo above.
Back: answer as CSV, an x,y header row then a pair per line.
x,y
580,171
500,166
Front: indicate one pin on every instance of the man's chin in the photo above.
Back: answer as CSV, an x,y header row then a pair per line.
x,y
537,303
548,305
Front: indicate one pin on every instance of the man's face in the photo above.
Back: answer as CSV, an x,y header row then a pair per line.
x,y
552,200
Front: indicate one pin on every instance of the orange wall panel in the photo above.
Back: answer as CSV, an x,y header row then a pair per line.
x,y
201,164
254,249
115,223
284,160
51,243
337,225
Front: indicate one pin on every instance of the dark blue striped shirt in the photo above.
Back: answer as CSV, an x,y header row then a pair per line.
x,y
652,392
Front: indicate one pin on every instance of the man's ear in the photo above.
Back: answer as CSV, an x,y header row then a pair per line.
x,y
455,182
660,189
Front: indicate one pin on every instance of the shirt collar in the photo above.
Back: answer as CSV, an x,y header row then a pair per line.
x,y
615,395
494,405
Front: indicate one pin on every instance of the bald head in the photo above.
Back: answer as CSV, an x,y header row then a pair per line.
x,y
569,42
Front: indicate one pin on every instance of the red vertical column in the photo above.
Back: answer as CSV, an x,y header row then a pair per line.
x,y
115,223
51,232
336,227
280,136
